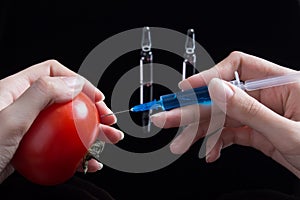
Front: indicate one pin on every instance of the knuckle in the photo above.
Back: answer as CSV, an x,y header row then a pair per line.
x,y
45,85
53,66
167,122
51,62
235,54
56,67
252,108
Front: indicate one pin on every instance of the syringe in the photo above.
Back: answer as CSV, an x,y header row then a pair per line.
x,y
200,95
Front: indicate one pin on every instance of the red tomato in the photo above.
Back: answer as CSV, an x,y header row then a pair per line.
x,y
54,146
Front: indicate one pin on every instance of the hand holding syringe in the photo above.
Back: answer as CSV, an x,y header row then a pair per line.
x,y
200,95
267,120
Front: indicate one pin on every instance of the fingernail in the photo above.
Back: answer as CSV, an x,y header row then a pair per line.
x,y
178,147
158,119
100,166
180,144
102,96
220,90
108,111
177,144
183,84
174,148
208,158
121,135
156,115
73,81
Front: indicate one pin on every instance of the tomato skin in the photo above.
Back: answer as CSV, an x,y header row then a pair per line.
x,y
54,146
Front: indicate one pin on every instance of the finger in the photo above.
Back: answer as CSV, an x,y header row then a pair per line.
x,y
213,154
48,68
181,116
109,134
248,67
93,166
57,69
240,106
188,137
16,118
210,142
8,170
244,136
247,137
104,110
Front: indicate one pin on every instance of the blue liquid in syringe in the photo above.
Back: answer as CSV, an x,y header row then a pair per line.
x,y
175,100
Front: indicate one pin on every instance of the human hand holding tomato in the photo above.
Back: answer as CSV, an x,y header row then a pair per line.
x,y
58,141
25,94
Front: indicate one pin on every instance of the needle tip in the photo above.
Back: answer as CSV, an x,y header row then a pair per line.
x,y
115,113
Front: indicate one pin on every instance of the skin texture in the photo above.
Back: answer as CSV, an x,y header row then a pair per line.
x,y
267,120
25,94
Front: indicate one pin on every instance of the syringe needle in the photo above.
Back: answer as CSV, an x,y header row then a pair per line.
x,y
114,113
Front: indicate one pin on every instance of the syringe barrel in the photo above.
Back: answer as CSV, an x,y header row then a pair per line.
x,y
257,84
189,97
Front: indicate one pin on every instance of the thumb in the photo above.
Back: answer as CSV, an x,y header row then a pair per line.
x,y
240,106
16,118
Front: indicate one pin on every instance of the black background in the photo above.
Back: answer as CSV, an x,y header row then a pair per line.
x,y
67,31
